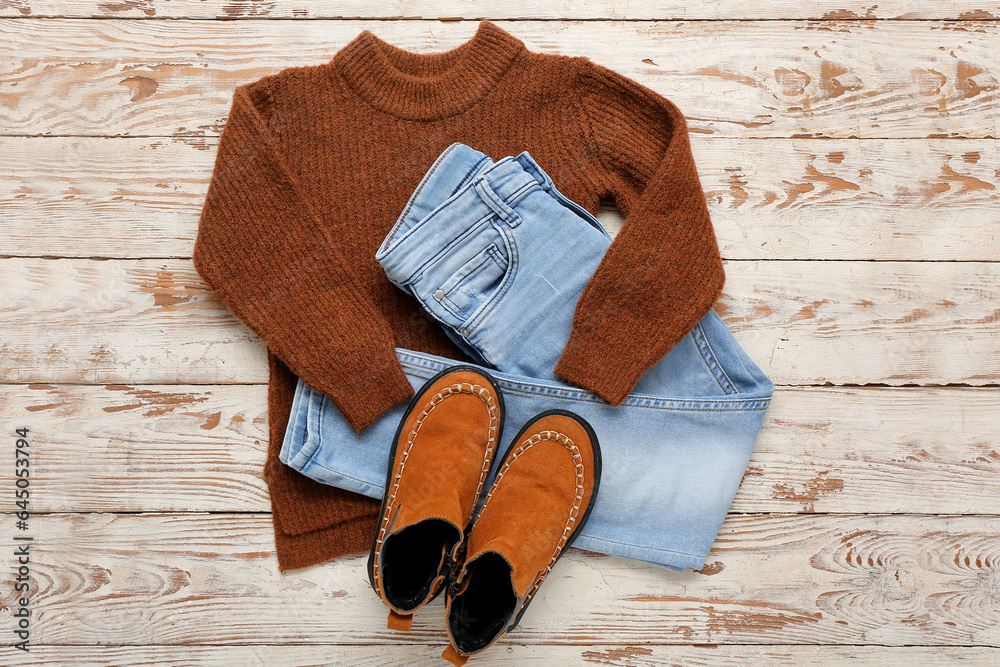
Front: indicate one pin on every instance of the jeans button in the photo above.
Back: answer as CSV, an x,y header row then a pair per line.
x,y
439,294
463,331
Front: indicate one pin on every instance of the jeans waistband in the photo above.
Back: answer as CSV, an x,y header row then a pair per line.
x,y
462,187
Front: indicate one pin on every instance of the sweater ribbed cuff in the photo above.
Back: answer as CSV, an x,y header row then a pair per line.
x,y
588,365
369,394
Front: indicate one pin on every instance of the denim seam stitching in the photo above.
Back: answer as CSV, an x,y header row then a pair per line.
x,y
418,273
708,355
423,182
321,410
653,403
515,197
485,191
464,182
305,429
423,222
630,544
294,414
483,258
341,473
588,217
488,256
496,256
451,308
495,298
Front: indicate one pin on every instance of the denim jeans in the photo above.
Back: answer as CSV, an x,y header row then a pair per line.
x,y
500,257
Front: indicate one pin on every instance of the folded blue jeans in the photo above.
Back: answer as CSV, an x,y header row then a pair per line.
x,y
500,257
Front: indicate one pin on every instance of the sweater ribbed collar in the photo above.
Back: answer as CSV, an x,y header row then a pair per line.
x,y
427,86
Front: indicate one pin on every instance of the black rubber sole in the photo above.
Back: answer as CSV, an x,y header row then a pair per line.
x,y
593,495
395,442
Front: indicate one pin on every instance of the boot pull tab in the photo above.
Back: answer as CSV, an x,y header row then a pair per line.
x,y
399,621
452,655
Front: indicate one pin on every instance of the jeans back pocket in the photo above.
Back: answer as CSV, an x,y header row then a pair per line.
x,y
474,282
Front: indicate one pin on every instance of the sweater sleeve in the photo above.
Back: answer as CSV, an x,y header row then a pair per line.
x,y
271,260
663,272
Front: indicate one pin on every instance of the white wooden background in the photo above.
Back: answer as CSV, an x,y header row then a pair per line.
x,y
849,152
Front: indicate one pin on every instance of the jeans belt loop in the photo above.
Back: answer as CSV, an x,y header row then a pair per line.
x,y
499,206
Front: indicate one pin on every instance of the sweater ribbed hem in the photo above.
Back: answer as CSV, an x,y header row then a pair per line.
x,y
312,521
306,505
318,546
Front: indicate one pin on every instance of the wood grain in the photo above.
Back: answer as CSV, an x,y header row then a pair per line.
x,y
513,9
125,448
155,321
878,199
863,79
395,655
866,528
179,579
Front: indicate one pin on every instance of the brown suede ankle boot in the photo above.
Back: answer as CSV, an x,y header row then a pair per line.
x,y
540,500
441,456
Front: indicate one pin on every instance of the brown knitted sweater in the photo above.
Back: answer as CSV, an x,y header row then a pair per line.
x,y
314,166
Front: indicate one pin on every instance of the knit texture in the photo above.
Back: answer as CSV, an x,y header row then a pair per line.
x,y
314,166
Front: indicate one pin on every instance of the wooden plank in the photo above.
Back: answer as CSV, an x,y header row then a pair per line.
x,y
731,78
835,589
181,579
194,448
404,655
71,197
876,450
155,321
878,199
143,448
867,322
514,9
